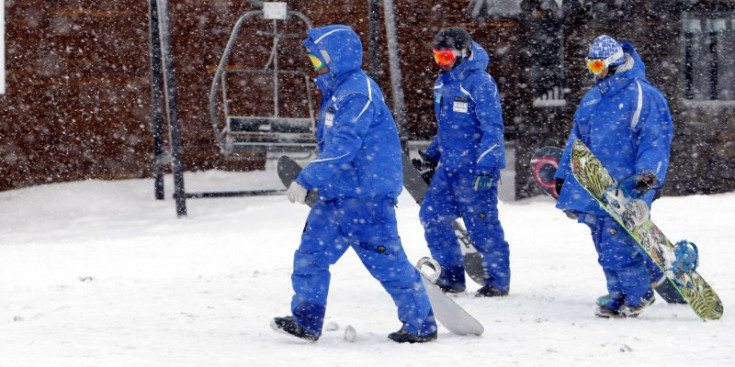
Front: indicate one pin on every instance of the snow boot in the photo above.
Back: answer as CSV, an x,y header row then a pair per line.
x,y
608,307
404,336
606,312
634,311
490,291
457,288
451,279
288,325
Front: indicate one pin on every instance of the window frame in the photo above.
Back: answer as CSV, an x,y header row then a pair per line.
x,y
689,93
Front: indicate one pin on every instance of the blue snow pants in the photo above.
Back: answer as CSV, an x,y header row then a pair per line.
x,y
370,228
622,261
451,195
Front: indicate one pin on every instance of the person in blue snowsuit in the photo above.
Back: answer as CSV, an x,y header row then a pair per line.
x,y
470,152
358,175
626,123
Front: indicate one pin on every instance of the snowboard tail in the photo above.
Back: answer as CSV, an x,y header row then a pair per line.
x,y
596,180
446,311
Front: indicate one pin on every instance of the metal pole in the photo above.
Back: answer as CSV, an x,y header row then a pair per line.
x,y
169,79
275,67
156,102
399,108
374,39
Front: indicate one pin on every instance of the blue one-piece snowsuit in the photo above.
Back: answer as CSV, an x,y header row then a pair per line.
x,y
469,142
359,177
626,123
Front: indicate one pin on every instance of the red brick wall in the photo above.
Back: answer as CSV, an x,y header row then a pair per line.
x,y
75,102
78,79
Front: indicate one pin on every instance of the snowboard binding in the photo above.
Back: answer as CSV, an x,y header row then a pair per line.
x,y
633,212
687,257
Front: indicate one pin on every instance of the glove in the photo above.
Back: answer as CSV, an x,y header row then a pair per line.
x,y
558,184
571,214
484,181
427,160
638,185
426,166
645,181
296,193
424,162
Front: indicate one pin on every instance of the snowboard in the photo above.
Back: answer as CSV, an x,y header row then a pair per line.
x,y
447,312
544,163
415,183
596,180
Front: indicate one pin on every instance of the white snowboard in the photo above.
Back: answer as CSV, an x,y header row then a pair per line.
x,y
447,312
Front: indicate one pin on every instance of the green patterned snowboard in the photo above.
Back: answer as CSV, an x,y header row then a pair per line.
x,y
593,176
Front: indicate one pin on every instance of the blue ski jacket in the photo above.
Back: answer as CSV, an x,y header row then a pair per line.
x,y
626,123
359,149
469,118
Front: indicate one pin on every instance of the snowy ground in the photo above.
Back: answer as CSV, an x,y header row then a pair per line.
x,y
100,274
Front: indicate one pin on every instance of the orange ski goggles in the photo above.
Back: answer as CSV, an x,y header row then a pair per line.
x,y
444,57
597,66
316,62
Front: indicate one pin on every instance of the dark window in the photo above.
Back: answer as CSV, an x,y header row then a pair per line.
x,y
709,58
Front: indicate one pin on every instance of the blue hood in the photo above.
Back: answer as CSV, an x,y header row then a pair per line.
x,y
639,69
338,47
479,60
622,78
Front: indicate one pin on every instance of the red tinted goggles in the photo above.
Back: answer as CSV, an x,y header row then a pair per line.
x,y
444,57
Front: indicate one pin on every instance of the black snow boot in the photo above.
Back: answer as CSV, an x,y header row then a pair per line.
x,y
634,311
447,289
490,291
606,312
288,325
403,336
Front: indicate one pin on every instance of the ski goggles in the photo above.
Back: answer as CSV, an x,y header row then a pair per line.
x,y
597,66
444,57
316,62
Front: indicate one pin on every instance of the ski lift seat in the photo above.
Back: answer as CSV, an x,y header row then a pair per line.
x,y
263,133
259,134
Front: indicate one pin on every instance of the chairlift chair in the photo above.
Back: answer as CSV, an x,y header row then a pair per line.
x,y
258,135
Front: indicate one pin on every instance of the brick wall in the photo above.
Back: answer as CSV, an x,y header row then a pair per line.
x,y
77,104
78,79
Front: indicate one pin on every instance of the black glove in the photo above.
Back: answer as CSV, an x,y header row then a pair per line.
x,y
645,181
427,161
425,166
558,184
639,184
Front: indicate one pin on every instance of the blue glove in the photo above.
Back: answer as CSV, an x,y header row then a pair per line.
x,y
484,181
